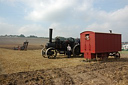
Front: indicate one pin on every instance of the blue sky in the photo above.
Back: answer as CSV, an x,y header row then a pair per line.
x,y
67,17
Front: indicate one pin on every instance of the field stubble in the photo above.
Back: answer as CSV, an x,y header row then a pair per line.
x,y
17,61
29,67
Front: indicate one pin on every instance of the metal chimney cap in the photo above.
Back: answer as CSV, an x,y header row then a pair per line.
x,y
110,31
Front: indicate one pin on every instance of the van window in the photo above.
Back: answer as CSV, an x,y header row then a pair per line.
x,y
87,36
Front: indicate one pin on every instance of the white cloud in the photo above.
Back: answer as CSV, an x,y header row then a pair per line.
x,y
6,28
34,29
48,10
56,10
117,21
105,27
121,14
65,31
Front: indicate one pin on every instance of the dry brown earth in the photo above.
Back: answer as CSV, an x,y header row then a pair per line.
x,y
111,72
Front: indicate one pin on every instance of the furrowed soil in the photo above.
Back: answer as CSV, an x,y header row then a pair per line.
x,y
30,68
11,42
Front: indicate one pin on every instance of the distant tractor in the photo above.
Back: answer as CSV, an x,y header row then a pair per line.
x,y
24,47
60,44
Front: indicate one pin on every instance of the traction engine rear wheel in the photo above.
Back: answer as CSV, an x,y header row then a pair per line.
x,y
76,50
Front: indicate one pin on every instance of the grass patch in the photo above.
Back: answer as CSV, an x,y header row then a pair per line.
x,y
124,52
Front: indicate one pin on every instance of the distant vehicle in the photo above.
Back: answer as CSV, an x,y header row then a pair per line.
x,y
60,46
24,47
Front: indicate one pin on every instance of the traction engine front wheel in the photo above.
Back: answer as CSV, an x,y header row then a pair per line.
x,y
43,51
51,52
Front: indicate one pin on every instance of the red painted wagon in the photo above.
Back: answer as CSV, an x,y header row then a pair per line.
x,y
100,45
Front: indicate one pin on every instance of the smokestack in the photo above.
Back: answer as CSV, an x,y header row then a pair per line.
x,y
110,31
50,35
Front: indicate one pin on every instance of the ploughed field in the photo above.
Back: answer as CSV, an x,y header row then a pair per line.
x,y
30,68
11,42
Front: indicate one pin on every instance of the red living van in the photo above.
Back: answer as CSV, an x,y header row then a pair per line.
x,y
102,45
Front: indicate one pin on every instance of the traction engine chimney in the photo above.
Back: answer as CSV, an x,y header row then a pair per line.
x,y
50,35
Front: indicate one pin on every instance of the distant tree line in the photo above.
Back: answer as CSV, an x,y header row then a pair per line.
x,y
123,43
21,35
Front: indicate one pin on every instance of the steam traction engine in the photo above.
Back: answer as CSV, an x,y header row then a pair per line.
x,y
60,46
